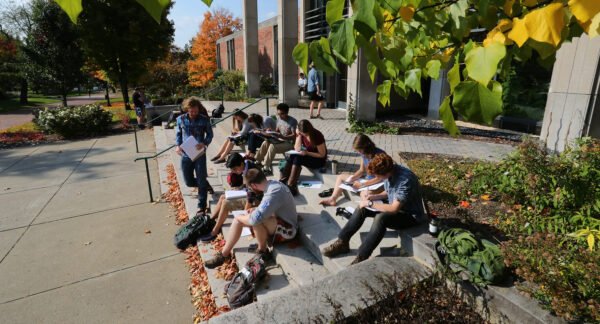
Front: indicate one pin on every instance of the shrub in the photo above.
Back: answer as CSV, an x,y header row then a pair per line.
x,y
234,86
267,86
73,122
365,127
552,197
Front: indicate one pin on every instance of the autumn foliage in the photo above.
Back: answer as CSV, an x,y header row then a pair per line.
x,y
217,23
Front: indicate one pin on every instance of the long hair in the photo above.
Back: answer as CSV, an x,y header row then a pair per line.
x,y
364,143
194,102
306,127
256,119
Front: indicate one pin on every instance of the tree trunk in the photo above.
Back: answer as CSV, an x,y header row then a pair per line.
x,y
107,96
64,98
123,80
23,97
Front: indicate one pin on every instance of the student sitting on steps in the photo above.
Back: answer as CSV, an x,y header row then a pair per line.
x,y
256,137
404,208
274,220
239,167
241,135
367,150
286,127
315,155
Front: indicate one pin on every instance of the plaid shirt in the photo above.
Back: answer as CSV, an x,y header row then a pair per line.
x,y
200,128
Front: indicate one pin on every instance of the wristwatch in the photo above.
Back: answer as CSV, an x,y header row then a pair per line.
x,y
370,203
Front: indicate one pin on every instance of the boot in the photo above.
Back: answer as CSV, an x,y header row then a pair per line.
x,y
285,174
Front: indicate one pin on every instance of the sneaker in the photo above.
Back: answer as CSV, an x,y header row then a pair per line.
x,y
265,256
336,248
267,172
356,260
215,158
217,260
207,238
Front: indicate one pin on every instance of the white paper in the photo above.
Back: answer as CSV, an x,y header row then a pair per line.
x,y
292,152
272,132
235,136
246,231
189,147
234,194
371,187
350,209
238,212
311,184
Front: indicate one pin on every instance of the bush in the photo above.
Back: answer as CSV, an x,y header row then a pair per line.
x,y
234,86
267,86
552,197
365,127
73,122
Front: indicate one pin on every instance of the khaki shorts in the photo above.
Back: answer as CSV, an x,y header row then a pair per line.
x,y
235,204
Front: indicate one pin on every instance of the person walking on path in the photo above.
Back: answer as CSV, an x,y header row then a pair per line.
x,y
138,104
195,124
314,91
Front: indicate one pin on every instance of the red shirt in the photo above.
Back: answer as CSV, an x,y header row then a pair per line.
x,y
317,140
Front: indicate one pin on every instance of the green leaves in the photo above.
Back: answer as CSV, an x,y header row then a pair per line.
x,y
482,62
433,69
454,77
300,56
384,92
207,2
71,7
343,41
364,20
321,55
448,118
156,7
413,80
458,13
334,11
478,103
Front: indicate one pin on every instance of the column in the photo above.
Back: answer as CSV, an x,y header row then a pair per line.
x,y
361,89
439,90
287,23
572,105
251,74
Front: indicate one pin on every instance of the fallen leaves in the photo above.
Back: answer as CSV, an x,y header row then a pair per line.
x,y
147,231
485,197
87,243
464,204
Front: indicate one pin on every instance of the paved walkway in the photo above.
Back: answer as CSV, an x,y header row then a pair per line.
x,y
339,142
22,116
73,247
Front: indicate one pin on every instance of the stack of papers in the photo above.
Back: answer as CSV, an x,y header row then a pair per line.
x,y
189,147
245,230
235,194
371,187
234,136
292,152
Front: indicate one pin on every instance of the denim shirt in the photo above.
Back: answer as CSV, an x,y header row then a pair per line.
x,y
366,161
200,128
403,186
313,80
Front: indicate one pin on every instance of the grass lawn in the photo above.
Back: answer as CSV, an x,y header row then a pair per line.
x,y
11,104
112,101
118,110
26,127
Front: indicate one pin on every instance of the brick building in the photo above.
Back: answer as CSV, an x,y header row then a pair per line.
x,y
230,50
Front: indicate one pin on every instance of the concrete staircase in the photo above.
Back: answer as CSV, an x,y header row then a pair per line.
x,y
296,265
301,276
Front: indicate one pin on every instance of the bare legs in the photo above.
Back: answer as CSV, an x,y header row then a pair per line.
x,y
337,191
225,150
261,231
220,213
312,106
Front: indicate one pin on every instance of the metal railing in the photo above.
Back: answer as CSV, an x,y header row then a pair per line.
x,y
149,122
146,158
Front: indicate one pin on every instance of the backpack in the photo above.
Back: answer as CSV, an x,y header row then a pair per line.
x,y
218,112
240,291
481,260
188,234
235,180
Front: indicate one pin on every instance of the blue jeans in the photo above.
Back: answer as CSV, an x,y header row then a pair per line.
x,y
254,142
199,180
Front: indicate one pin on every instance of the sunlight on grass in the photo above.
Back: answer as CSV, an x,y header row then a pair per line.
x,y
11,104
26,127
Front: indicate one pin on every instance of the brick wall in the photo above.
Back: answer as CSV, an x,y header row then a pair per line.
x,y
265,51
239,53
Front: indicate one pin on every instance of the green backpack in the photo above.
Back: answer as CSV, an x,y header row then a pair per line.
x,y
481,259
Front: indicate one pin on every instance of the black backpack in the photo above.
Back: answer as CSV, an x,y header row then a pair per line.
x,y
240,291
195,227
218,113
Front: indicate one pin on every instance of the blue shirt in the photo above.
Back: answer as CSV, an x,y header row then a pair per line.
x,y
313,80
403,186
366,160
200,128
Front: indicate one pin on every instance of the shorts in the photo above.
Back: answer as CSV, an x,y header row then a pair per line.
x,y
235,204
313,96
139,111
283,232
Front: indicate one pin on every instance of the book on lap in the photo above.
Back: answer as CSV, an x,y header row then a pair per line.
x,y
293,152
189,147
235,194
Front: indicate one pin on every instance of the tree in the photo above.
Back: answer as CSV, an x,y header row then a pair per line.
x,y
54,48
170,75
217,24
409,40
122,39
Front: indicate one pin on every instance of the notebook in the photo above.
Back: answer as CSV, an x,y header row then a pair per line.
x,y
189,147
234,194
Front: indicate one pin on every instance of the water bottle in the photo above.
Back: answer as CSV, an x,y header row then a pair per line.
x,y
334,167
434,223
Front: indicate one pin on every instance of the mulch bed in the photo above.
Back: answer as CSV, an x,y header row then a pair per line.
x,y
18,139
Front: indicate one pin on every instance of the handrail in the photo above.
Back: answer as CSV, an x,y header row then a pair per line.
x,y
146,158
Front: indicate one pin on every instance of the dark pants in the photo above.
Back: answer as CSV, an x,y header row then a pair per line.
x,y
199,180
254,142
381,222
307,161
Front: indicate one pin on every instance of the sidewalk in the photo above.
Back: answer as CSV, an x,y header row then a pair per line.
x,y
339,142
73,241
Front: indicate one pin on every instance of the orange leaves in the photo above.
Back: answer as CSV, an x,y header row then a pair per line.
x,y
174,198
217,23
464,204
485,197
